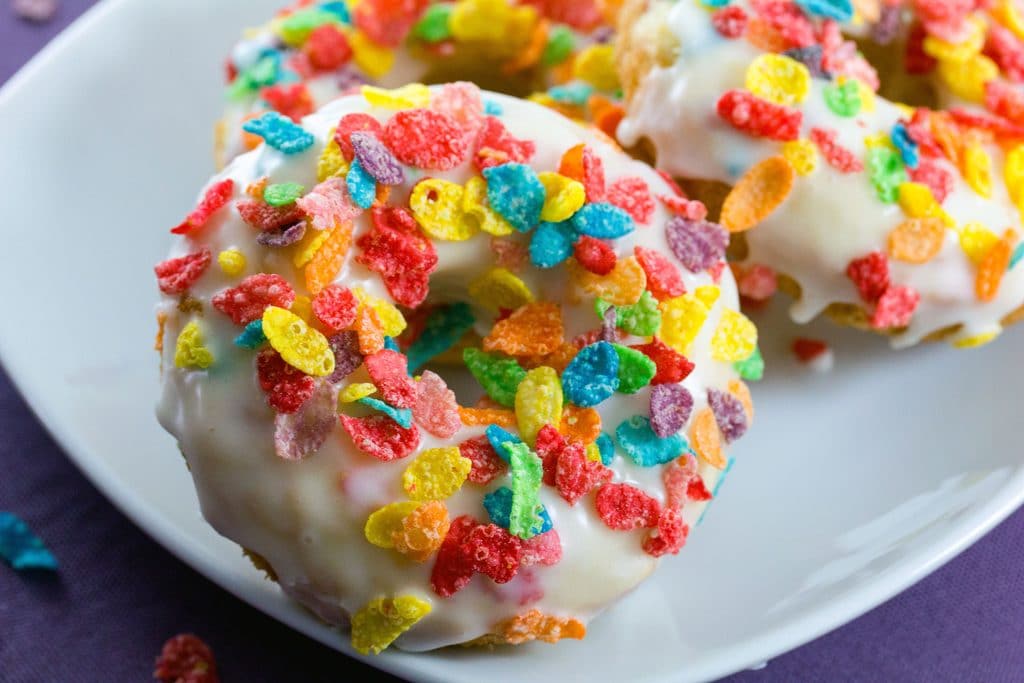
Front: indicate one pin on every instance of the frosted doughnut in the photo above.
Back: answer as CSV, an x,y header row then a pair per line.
x,y
314,51
286,330
921,243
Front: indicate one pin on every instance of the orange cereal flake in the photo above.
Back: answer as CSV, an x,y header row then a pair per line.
x,y
917,240
757,194
993,266
328,259
740,390
475,417
368,328
161,324
535,625
580,424
423,530
706,440
533,329
623,286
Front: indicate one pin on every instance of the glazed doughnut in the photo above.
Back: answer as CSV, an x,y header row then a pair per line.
x,y
321,277
316,50
887,217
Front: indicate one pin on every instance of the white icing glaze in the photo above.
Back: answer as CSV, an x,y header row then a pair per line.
x,y
306,518
830,218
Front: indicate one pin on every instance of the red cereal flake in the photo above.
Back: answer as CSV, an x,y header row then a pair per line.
x,y
583,164
696,490
389,371
632,195
399,252
669,537
1005,100
842,159
436,409
426,139
997,125
300,64
496,146
492,551
788,20
672,366
451,572
730,21
895,308
216,196
581,14
357,122
186,659
327,48
486,463
380,436
177,275
807,350
575,475
870,274
335,307
1005,50
247,300
919,128
387,22
663,278
543,549
759,118
550,442
287,388
264,217
595,255
291,99
690,209
758,282
624,507
916,61
677,476
939,179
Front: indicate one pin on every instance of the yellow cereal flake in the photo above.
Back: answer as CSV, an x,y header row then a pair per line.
x,y
1013,175
978,169
436,474
355,391
563,197
437,206
381,621
778,79
383,523
308,246
189,352
372,59
962,51
596,65
332,162
682,318
976,340
477,213
500,288
917,201
411,96
301,346
976,240
231,262
734,339
802,155
391,319
538,402
967,79
303,307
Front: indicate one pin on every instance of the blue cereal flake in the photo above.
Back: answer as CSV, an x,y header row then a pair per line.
x,y
606,448
715,490
339,9
592,376
840,10
280,133
603,221
646,448
515,192
392,345
576,93
907,147
361,186
551,244
443,330
252,336
499,508
492,108
21,548
403,416
498,437
1015,258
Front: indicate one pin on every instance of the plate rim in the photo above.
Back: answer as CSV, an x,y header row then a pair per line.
x,y
807,625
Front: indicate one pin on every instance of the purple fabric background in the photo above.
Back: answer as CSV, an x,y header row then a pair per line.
x,y
119,595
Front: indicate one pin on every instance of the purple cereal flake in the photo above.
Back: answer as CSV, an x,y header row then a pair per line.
x,y
347,358
887,28
349,80
282,237
697,244
302,433
39,11
729,412
671,405
608,333
376,159
810,56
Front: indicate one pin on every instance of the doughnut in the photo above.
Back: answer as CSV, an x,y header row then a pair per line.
x,y
898,219
314,51
334,287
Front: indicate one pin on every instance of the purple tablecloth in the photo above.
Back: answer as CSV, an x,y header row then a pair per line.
x,y
119,595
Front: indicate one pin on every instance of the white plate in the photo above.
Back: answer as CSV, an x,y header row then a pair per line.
x,y
851,486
